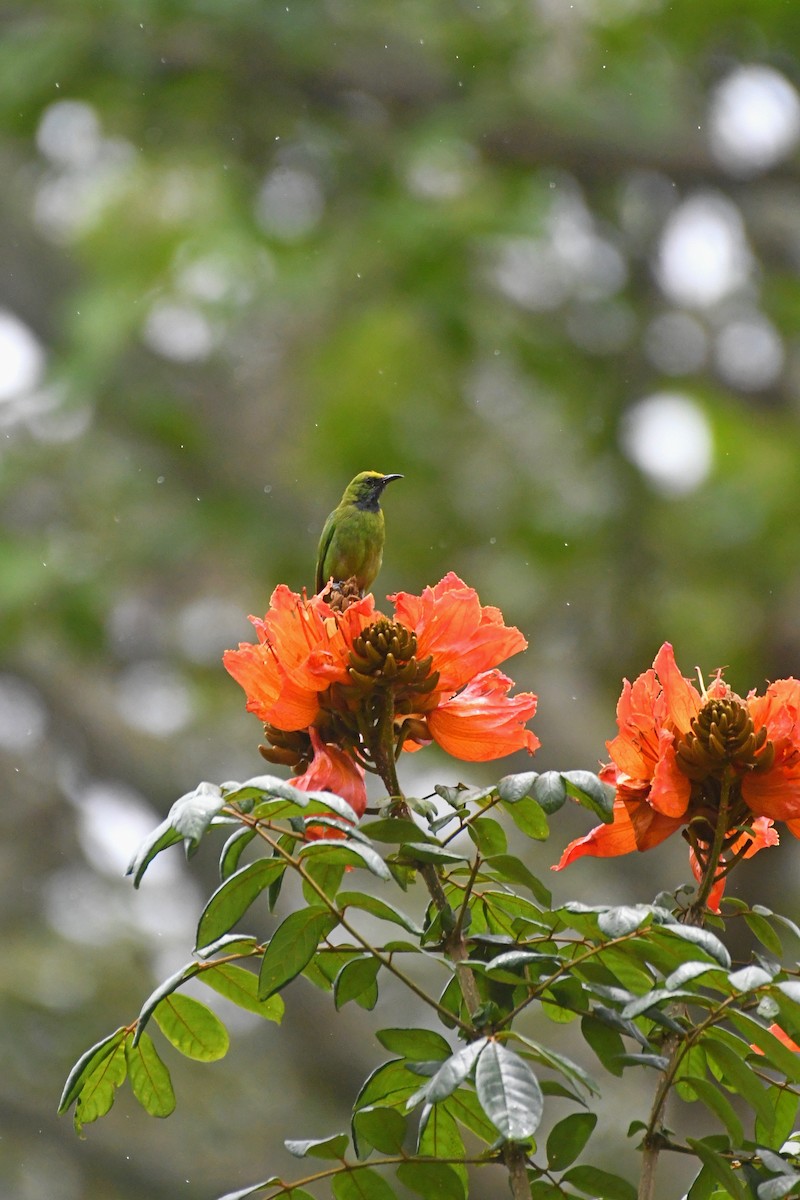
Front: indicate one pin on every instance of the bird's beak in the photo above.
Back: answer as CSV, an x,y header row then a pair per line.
x,y
389,478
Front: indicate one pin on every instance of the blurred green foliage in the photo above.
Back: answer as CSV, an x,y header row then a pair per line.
x,y
256,248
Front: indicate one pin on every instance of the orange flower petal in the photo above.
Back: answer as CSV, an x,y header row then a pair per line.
x,y
483,722
331,770
682,699
604,841
671,790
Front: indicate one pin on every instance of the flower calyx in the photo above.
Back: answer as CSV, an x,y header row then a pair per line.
x,y
384,657
722,737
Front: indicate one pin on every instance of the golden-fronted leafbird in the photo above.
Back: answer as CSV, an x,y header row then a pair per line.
x,y
351,546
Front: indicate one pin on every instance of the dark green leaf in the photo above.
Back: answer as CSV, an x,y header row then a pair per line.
x,y
254,1189
616,922
431,1179
747,979
781,1185
549,791
427,853
417,1044
191,816
601,1185
719,1105
149,1078
326,874
378,908
88,1062
590,791
165,989
737,1075
510,869
232,899
355,978
330,1147
192,1028
509,1092
160,839
440,1138
383,1129
292,946
784,1108
450,1075
393,829
364,1184
232,851
777,1055
686,972
346,854
606,1043
760,927
389,1085
567,1139
719,1168
513,788
241,986
701,937
657,1061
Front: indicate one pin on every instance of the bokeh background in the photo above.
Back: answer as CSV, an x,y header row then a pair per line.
x,y
543,258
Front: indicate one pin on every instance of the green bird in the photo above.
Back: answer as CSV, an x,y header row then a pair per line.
x,y
351,545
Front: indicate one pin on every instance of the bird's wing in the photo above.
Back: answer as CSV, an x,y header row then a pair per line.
x,y
324,543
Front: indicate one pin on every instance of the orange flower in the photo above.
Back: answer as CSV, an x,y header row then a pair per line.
x,y
674,750
303,647
469,714
782,1036
434,665
331,770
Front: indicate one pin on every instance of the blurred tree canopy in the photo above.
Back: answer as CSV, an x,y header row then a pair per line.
x,y
542,258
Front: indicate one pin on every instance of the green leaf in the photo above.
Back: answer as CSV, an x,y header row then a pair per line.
x,y
784,1108
590,791
88,1062
99,1089
232,851
192,1028
420,1045
149,1078
719,1104
567,1139
616,922
383,1129
389,1085
529,818
346,854
686,972
431,1179
737,1075
292,946
777,1055
364,1184
747,979
781,1185
231,900
254,1189
510,869
160,839
701,937
606,1043
241,986
193,813
450,1075
330,1147
761,928
164,989
549,791
440,1138
356,978
509,1092
719,1168
424,852
601,1185
378,908
393,829
513,788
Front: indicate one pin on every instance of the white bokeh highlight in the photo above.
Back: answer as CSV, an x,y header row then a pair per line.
x,y
753,120
668,437
703,254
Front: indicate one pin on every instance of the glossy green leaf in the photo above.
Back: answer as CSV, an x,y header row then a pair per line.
x,y
255,1188
510,869
394,829
529,818
617,922
450,1075
378,908
600,1185
191,816
346,854
549,791
292,946
149,1078
703,938
737,1075
465,1107
606,1043
440,1138
783,1106
379,1128
590,791
192,1028
389,1085
330,1147
241,986
431,1179
760,927
231,900
781,1185
355,978
509,1092
88,1062
164,836
747,979
567,1139
513,788
488,835
426,853
165,989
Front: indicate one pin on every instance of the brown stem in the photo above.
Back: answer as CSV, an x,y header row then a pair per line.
x,y
515,1159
